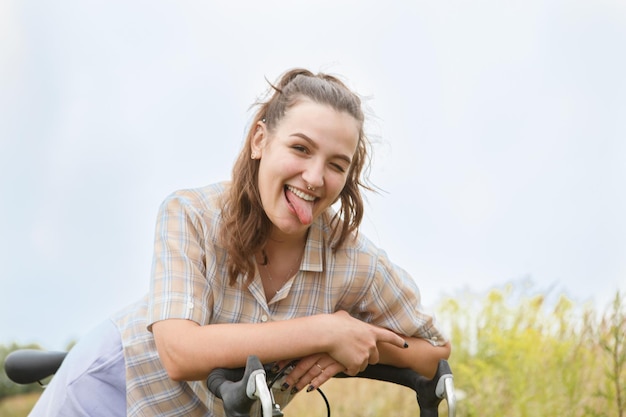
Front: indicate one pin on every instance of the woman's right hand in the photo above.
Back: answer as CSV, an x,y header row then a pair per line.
x,y
354,343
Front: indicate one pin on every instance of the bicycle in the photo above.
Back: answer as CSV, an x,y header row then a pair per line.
x,y
239,389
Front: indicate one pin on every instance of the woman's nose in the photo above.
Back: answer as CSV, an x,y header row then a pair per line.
x,y
314,174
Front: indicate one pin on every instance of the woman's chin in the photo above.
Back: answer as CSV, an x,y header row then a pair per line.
x,y
290,226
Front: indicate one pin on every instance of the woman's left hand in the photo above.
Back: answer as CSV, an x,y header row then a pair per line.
x,y
311,372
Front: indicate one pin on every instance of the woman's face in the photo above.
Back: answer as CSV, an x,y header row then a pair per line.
x,y
304,164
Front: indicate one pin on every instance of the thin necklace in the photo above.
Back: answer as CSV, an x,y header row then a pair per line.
x,y
267,271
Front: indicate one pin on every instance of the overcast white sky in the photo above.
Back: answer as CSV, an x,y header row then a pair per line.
x,y
501,129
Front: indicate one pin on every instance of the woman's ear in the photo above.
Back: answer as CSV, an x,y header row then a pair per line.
x,y
258,140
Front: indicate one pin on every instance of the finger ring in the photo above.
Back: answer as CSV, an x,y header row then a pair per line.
x,y
321,369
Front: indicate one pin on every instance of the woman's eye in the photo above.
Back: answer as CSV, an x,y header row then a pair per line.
x,y
338,167
300,148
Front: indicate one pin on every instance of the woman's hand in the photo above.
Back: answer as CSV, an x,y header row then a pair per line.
x,y
354,343
311,372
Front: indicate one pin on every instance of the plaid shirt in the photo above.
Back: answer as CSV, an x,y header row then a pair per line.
x,y
190,281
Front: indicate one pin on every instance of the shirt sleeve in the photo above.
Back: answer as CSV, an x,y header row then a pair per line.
x,y
179,287
394,302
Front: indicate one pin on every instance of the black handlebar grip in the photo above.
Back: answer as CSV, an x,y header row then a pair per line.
x,y
424,388
26,366
230,386
221,375
401,376
427,391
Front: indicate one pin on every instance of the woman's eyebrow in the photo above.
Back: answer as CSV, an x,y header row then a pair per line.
x,y
314,146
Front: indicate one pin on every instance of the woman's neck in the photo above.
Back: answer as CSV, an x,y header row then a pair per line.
x,y
278,261
284,247
278,240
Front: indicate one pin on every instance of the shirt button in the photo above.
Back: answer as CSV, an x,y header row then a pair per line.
x,y
264,318
435,338
190,305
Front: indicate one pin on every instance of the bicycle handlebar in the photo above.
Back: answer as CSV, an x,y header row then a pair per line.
x,y
240,388
237,397
430,392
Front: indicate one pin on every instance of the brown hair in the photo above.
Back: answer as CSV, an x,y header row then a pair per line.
x,y
246,227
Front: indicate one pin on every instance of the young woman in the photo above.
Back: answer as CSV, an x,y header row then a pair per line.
x,y
259,265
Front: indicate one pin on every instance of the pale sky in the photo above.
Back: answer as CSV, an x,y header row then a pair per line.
x,y
500,130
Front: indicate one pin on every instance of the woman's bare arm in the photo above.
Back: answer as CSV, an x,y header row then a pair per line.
x,y
421,355
189,351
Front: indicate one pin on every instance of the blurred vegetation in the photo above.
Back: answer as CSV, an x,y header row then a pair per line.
x,y
18,405
517,352
521,354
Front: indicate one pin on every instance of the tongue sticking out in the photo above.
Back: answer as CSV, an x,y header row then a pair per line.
x,y
303,208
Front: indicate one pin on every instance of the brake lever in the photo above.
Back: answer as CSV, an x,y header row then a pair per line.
x,y
257,388
445,390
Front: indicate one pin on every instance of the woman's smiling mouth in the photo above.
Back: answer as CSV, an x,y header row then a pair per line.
x,y
301,203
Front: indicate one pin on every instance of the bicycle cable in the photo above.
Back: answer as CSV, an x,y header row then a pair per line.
x,y
326,401
280,373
